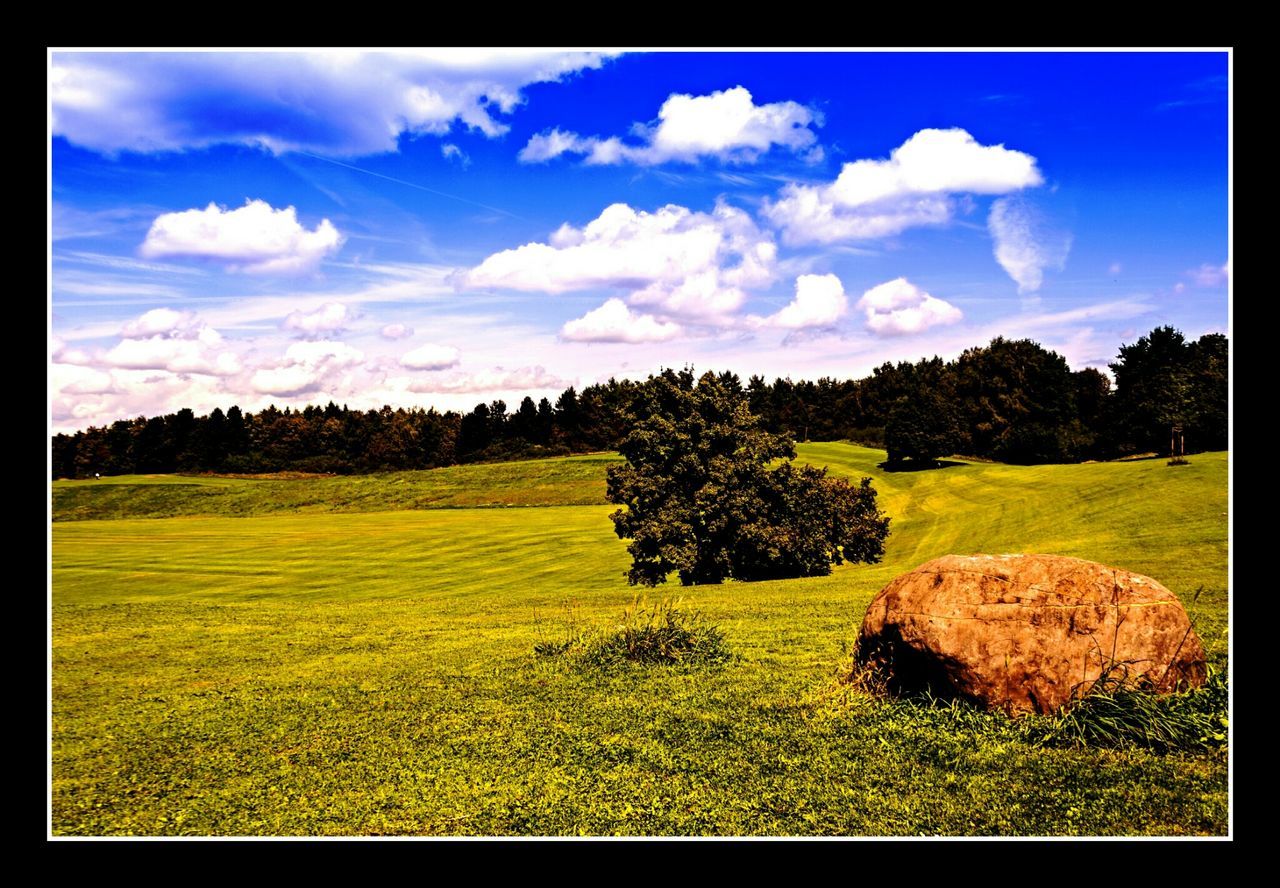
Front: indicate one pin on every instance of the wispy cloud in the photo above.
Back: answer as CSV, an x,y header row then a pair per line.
x,y
334,103
1025,244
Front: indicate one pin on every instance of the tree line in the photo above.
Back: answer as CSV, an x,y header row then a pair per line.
x,y
1010,400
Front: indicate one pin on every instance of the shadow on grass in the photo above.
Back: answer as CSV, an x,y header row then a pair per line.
x,y
913,466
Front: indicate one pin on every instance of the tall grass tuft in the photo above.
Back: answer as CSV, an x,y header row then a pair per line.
x,y
1117,713
658,633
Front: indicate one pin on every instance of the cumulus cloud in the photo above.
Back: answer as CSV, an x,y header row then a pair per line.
x,y
1024,244
75,380
255,238
84,396
163,322
328,318
396,331
306,367
913,187
727,125
430,357
820,301
614,322
684,263
900,307
173,355
165,339
330,102
60,352
523,379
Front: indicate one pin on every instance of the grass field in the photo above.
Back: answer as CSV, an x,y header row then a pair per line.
x,y
331,665
574,480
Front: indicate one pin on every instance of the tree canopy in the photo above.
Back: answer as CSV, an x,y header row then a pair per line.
x,y
1011,400
702,500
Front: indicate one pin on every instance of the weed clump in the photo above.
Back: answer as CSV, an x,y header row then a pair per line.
x,y
651,634
1116,712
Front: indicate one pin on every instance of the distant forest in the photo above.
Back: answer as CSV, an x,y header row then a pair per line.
x,y
1012,401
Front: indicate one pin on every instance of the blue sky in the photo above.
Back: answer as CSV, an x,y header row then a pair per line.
x,y
451,227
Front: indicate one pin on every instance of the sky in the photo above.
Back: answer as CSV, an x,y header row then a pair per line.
x,y
443,228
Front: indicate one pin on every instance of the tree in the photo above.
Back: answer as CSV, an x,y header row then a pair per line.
x,y
701,499
1207,366
922,427
1018,398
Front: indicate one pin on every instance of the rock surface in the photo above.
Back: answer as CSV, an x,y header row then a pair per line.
x,y
1024,633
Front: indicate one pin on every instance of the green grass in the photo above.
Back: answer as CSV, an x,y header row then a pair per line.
x,y
353,671
574,480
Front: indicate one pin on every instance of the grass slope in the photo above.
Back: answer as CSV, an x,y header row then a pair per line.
x,y
574,480
369,672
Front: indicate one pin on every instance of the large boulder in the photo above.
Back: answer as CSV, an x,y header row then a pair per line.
x,y
1026,633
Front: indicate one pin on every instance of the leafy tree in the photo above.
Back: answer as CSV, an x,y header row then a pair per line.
x,y
1207,364
701,498
64,454
922,427
1018,398
524,423
474,432
1153,390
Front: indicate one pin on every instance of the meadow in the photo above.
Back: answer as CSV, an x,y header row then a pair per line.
x,y
355,656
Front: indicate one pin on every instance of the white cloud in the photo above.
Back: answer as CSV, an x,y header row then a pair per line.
x,y
83,397
287,380
687,264
173,355
726,124
1024,245
307,367
163,321
935,161
330,317
430,357
165,339
396,331
1208,275
76,380
913,187
614,322
523,379
60,352
330,102
900,307
312,354
450,151
820,301
551,144
254,238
